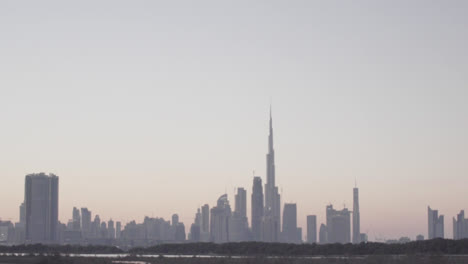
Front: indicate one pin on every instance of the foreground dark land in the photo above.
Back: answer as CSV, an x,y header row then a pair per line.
x,y
381,259
426,247
429,251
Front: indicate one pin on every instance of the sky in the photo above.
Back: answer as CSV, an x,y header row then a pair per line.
x,y
149,108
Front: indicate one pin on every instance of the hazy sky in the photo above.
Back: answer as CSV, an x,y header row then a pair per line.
x,y
154,108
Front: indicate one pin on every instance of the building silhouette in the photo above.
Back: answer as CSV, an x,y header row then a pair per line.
x,y
219,220
311,229
460,226
41,208
257,209
76,222
85,222
435,224
111,229
272,215
323,234
205,223
338,225
290,233
239,225
356,217
118,230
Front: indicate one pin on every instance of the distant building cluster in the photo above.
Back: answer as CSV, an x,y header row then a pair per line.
x,y
38,221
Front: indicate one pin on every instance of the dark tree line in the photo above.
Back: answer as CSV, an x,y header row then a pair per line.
x,y
434,246
64,249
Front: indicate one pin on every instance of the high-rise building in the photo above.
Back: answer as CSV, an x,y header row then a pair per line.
x,y
96,227
205,218
435,224
198,219
219,225
205,223
195,233
356,217
311,229
460,226
257,209
290,232
180,232
175,219
110,229
338,225
76,222
118,230
86,222
323,234
241,202
239,225
103,230
41,206
20,227
22,213
272,215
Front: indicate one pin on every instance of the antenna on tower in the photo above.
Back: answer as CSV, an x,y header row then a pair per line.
x,y
355,182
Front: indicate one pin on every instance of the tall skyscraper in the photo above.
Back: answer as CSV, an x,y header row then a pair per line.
x,y
460,226
356,217
257,208
110,229
86,222
175,219
76,224
205,218
41,200
272,215
323,239
290,232
241,202
205,223
338,225
219,225
311,229
435,224
22,211
118,230
239,225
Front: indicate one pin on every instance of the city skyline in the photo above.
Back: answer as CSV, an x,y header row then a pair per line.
x,y
152,109
338,224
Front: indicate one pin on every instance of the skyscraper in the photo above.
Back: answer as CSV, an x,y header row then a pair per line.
x,y
272,215
257,208
323,239
311,229
460,226
239,225
118,230
86,222
219,225
241,202
205,223
175,219
435,224
356,217
290,232
41,200
76,224
338,225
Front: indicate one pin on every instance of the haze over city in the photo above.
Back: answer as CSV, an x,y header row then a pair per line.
x,y
152,109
